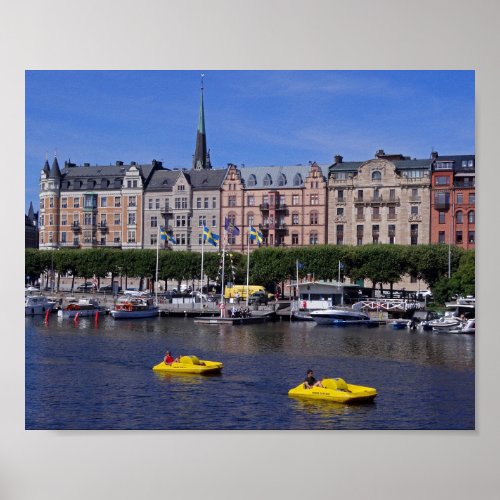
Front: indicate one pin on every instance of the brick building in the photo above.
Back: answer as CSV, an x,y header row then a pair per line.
x,y
453,200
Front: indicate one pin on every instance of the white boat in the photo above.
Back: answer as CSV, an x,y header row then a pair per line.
x,y
37,304
456,315
340,316
82,307
469,327
134,307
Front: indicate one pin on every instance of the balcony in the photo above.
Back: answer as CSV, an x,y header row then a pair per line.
x,y
415,218
358,199
393,200
280,227
76,227
392,217
464,184
340,201
376,200
264,227
264,207
360,217
103,226
166,211
377,217
280,206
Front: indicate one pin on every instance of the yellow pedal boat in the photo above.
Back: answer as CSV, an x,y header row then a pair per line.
x,y
337,390
189,364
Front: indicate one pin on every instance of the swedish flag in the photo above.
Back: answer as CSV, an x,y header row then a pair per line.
x,y
163,233
210,237
256,235
172,240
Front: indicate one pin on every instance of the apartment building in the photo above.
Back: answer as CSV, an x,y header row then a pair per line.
x,y
382,200
453,200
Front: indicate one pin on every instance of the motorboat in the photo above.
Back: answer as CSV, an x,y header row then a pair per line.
x,y
340,316
445,323
400,324
189,364
420,319
337,390
134,307
469,327
37,304
83,307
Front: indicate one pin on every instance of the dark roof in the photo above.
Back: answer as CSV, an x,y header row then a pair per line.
x,y
458,162
46,167
55,172
162,180
352,166
206,179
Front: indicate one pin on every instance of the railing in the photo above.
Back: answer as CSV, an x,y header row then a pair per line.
x,y
376,199
281,206
416,198
392,217
358,199
264,206
464,184
377,217
360,217
340,201
393,199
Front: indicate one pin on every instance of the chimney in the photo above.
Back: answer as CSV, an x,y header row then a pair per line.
x,y
119,163
132,163
338,159
379,153
434,155
86,164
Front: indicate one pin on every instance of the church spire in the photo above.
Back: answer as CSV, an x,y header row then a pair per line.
x,y
201,158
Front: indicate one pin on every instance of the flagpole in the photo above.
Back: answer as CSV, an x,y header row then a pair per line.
x,y
202,256
339,273
297,286
248,263
222,275
157,259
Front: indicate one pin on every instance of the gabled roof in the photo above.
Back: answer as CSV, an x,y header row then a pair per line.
x,y
206,179
162,180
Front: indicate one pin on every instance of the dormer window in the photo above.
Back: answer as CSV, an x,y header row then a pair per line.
x,y
282,180
181,187
252,181
376,176
267,180
297,180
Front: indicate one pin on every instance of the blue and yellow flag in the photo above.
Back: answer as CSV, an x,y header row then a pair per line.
x,y
256,235
163,233
171,239
210,237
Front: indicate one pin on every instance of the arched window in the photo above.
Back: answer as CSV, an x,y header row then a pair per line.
x,y
460,217
267,180
282,180
297,180
472,217
313,218
252,180
376,176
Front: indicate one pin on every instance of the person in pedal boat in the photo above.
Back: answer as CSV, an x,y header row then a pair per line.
x,y
168,358
310,381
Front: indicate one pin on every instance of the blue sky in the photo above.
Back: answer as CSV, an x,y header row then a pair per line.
x,y
251,117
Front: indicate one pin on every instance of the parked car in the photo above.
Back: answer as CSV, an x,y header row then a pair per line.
x,y
258,298
109,289
32,289
86,287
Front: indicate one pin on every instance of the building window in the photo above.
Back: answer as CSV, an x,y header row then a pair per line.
x,y
458,238
267,180
442,180
51,219
116,237
153,239
459,217
460,198
214,202
315,199
282,180
177,203
472,217
205,202
295,219
375,233
103,219
376,176
150,203
359,234
76,202
116,219
297,180
313,239
295,238
391,230
252,180
117,201
392,213
130,236
231,201
340,195
472,236
295,199
376,213
76,219
392,195
202,220
90,201
104,202
414,234
441,237
157,203
63,220
64,202
414,209
63,237
360,195
131,219
41,203
51,203
313,218
214,220
181,187
250,219
359,212
340,211
132,201
198,202
251,201
442,217
154,221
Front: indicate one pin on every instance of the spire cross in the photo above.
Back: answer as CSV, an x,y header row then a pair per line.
x,y
202,75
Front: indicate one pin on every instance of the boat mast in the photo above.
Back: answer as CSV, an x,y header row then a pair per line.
x,y
248,263
157,260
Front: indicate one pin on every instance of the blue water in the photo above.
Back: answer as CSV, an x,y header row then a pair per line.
x,y
88,376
